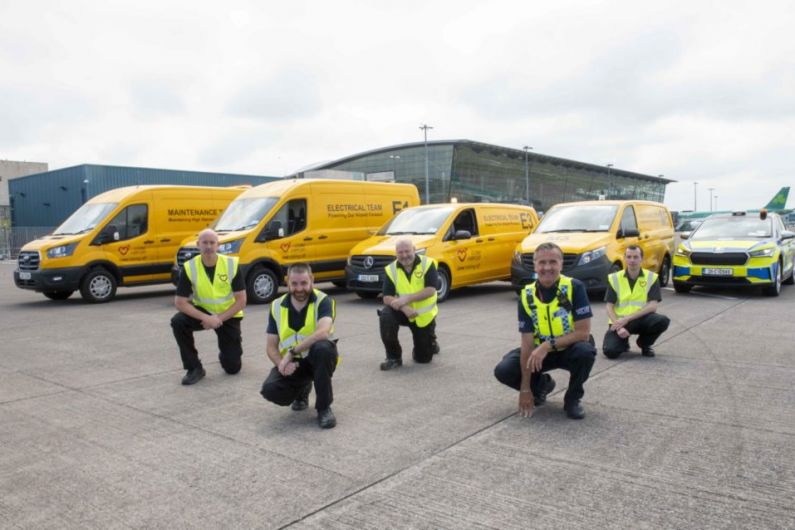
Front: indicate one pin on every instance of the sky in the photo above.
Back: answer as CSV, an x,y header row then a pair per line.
x,y
700,92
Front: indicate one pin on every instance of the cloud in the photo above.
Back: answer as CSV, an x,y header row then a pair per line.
x,y
287,95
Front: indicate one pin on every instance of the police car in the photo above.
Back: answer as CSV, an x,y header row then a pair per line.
x,y
736,250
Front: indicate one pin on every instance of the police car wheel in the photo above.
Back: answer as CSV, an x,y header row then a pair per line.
x,y
665,271
262,286
775,287
682,287
791,278
98,286
58,295
443,290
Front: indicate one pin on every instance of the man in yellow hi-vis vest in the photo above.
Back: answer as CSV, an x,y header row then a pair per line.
x,y
555,323
301,346
219,296
409,300
631,304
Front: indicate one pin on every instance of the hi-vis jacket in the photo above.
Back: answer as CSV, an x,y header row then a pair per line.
x,y
630,300
214,296
553,319
426,309
289,337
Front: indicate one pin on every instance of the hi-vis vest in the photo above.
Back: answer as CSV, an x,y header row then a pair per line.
x,y
630,300
553,319
289,337
215,296
426,309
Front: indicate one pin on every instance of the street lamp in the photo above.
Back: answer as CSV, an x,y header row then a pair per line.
x,y
425,128
527,148
609,182
695,196
716,202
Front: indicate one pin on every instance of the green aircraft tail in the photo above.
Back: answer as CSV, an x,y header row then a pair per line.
x,y
779,201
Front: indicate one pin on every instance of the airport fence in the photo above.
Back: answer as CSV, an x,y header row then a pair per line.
x,y
12,239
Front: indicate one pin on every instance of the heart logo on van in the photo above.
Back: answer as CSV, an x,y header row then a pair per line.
x,y
123,250
462,254
285,247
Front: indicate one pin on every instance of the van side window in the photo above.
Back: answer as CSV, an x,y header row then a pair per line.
x,y
465,221
628,221
292,216
131,222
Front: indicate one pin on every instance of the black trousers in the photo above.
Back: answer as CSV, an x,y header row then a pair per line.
x,y
230,342
424,338
577,359
316,366
648,328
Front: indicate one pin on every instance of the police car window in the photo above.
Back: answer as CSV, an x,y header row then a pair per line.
x,y
131,222
628,221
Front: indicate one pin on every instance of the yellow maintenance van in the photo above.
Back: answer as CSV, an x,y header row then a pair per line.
x,y
316,221
123,237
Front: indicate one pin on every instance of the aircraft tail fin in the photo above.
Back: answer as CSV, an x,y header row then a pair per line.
x,y
779,201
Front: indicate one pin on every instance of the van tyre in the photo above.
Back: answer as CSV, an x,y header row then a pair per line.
x,y
98,286
665,271
775,288
443,290
262,286
682,287
367,295
58,295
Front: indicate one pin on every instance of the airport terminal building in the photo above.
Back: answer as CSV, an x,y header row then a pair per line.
x,y
471,171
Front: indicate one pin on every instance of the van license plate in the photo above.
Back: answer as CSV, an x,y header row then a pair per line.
x,y
717,272
369,278
24,276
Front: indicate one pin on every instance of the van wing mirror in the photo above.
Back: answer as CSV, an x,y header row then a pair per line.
x,y
462,234
628,233
107,235
272,230
684,235
786,234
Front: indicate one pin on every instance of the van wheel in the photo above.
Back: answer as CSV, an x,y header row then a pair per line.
x,y
615,267
443,290
57,295
682,287
775,288
791,278
262,286
367,295
665,271
98,286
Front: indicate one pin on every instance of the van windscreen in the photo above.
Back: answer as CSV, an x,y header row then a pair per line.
x,y
244,213
85,218
579,218
417,221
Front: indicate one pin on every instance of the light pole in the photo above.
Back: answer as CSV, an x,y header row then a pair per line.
x,y
710,198
425,128
716,202
527,149
609,181
695,196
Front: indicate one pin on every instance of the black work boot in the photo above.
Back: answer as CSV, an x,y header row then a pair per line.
x,y
302,401
389,363
326,419
574,410
193,376
541,397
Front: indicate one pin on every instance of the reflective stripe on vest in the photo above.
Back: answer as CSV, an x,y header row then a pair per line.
x,y
289,337
426,308
630,300
549,319
214,295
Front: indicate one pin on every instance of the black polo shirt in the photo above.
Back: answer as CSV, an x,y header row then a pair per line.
x,y
295,318
431,277
611,296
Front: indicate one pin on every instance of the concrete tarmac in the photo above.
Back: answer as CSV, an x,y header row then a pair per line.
x,y
97,431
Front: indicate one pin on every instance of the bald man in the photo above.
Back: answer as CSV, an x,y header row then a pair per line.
x,y
217,302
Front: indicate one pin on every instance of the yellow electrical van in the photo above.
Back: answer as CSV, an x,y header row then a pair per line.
x,y
127,236
316,221
471,243
593,236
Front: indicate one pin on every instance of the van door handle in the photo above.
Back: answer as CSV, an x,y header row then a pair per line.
x,y
322,237
491,239
478,241
148,242
165,240
307,239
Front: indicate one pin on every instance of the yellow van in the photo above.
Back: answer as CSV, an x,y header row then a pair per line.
x,y
593,236
316,221
127,236
471,243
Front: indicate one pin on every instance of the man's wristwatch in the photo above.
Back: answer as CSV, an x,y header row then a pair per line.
x,y
292,352
552,343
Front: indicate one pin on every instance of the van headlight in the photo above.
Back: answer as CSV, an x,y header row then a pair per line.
x,y
684,251
517,257
421,251
230,247
592,255
763,253
62,252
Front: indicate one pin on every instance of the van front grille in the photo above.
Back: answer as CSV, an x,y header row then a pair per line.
x,y
186,253
28,261
378,262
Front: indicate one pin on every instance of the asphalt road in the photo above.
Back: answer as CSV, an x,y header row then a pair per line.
x,y
97,431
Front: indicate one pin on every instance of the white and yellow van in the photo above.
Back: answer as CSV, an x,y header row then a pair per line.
x,y
593,236
127,236
471,243
316,221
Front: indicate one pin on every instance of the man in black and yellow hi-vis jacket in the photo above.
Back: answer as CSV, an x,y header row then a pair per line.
x,y
301,346
219,296
631,304
555,323
409,300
